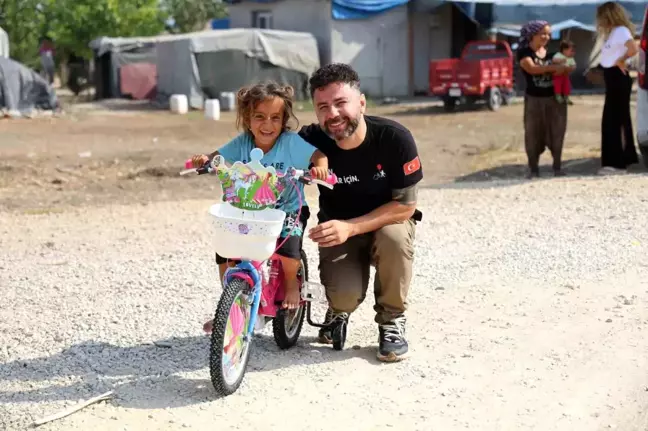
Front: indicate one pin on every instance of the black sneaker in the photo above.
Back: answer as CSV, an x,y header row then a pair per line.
x,y
392,345
324,336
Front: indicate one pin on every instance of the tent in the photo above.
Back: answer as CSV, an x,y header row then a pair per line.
x,y
22,89
4,44
124,67
204,64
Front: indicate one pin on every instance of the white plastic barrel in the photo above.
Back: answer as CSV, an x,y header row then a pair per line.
x,y
179,104
212,109
227,101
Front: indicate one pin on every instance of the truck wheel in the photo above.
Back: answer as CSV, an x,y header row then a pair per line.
x,y
494,98
449,104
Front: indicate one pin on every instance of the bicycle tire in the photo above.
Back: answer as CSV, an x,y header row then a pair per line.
x,y
230,293
283,339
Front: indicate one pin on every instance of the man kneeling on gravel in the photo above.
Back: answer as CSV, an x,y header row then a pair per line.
x,y
370,215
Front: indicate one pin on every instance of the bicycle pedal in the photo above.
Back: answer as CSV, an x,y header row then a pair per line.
x,y
313,292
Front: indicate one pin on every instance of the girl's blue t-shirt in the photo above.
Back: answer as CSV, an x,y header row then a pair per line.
x,y
290,150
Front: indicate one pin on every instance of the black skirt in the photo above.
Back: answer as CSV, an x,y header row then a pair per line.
x,y
617,139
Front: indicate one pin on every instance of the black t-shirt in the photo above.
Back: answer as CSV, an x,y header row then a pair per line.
x,y
537,85
386,160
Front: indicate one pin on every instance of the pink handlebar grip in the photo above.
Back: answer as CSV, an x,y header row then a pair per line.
x,y
188,164
332,179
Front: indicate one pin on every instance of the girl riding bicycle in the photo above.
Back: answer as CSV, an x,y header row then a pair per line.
x,y
264,112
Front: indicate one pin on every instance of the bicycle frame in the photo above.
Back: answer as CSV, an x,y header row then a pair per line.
x,y
247,270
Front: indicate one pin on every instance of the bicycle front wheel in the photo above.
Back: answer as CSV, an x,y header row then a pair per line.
x,y
230,347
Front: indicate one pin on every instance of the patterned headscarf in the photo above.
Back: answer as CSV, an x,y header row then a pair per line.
x,y
529,30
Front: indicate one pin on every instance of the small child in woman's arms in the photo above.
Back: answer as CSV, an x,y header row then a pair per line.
x,y
562,84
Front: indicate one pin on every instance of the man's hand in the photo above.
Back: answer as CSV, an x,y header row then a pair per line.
x,y
331,233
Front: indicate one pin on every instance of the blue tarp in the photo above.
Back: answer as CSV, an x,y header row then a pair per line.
x,y
556,28
583,13
362,9
220,24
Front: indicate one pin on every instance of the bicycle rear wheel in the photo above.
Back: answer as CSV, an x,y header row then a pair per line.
x,y
230,350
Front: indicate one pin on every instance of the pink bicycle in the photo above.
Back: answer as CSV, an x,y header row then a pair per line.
x,y
245,229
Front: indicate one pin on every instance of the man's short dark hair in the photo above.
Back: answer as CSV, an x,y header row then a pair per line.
x,y
334,72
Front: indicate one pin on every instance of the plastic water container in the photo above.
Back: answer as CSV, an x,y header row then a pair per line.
x,y
227,101
245,234
179,104
212,109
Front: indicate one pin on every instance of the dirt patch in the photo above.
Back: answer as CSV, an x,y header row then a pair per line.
x,y
85,157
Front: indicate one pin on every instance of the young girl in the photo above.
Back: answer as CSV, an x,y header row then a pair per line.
x,y
562,83
263,112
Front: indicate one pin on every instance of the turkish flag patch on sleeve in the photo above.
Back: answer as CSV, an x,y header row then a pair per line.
x,y
412,166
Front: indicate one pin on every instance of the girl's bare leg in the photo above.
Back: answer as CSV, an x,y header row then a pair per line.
x,y
290,269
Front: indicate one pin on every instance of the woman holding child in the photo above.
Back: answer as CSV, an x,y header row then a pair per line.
x,y
545,117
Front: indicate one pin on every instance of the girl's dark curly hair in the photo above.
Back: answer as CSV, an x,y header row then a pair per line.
x,y
249,97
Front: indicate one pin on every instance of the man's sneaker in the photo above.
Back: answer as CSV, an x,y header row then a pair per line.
x,y
324,336
392,346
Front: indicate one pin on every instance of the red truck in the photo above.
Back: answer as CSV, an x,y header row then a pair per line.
x,y
484,72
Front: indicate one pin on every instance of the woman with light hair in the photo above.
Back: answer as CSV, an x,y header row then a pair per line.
x,y
617,139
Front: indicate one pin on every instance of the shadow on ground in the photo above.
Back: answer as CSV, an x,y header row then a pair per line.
x,y
147,376
437,109
513,174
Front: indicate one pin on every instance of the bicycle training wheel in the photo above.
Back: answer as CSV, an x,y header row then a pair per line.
x,y
229,350
287,324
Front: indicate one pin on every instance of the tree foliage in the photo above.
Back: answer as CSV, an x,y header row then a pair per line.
x,y
72,24
23,21
193,15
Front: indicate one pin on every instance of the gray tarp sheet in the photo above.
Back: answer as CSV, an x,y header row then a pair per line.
x,y
205,63
22,89
290,50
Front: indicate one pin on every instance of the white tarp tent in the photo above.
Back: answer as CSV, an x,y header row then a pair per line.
x,y
205,63
4,43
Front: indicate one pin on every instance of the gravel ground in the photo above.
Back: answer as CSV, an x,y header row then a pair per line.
x,y
527,312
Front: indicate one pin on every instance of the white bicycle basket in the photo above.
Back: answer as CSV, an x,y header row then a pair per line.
x,y
245,234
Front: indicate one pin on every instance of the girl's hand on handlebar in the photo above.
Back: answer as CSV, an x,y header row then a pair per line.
x,y
199,160
319,173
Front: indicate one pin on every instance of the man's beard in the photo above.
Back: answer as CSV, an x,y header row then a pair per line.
x,y
351,127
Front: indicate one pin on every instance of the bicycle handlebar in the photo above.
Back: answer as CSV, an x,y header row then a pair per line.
x,y
302,176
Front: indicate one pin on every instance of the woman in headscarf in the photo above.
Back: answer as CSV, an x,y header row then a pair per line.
x,y
545,120
617,140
